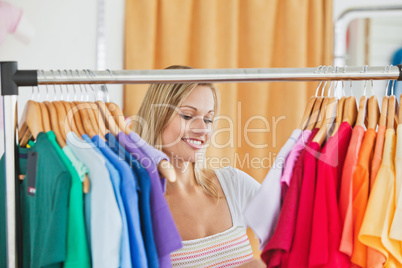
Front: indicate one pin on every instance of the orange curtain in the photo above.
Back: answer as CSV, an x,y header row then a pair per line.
x,y
256,119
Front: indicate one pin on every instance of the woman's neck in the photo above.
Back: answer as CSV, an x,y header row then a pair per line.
x,y
185,178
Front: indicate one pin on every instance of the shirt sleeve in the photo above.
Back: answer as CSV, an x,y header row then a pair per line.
x,y
247,188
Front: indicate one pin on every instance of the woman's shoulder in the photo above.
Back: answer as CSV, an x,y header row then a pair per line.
x,y
236,178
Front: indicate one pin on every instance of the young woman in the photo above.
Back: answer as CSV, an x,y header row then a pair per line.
x,y
206,204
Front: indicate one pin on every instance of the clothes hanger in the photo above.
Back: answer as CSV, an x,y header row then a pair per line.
x,y
384,111
362,112
309,108
373,110
88,119
350,110
329,111
31,122
108,118
113,112
45,113
23,132
392,120
384,104
75,113
339,106
55,123
315,113
99,120
118,117
324,104
68,107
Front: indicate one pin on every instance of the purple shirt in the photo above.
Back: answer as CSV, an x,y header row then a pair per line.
x,y
167,238
154,154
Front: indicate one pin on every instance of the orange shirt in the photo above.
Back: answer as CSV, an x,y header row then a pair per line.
x,y
374,258
345,198
361,182
377,157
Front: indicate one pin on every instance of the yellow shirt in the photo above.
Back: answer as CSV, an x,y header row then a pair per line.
x,y
381,207
396,227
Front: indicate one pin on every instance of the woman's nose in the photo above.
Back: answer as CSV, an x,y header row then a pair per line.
x,y
198,125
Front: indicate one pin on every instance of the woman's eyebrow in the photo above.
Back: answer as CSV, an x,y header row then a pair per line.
x,y
192,107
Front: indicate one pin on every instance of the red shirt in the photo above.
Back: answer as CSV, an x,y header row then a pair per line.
x,y
327,227
281,240
298,256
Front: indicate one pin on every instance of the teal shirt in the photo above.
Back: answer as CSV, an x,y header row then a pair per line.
x,y
77,254
44,215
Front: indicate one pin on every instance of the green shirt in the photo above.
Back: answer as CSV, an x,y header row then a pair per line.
x,y
77,254
44,215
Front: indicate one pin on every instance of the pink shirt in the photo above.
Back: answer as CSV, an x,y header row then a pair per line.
x,y
326,234
298,256
281,241
291,160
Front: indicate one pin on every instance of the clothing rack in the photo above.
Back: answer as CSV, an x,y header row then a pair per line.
x,y
11,79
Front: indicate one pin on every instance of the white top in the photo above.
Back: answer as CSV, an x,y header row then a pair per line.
x,y
231,247
262,212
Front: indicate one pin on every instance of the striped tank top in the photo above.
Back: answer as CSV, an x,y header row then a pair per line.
x,y
230,248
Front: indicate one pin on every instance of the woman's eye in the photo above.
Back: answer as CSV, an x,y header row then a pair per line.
x,y
186,117
208,121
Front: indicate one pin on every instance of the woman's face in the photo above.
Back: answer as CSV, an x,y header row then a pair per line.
x,y
187,134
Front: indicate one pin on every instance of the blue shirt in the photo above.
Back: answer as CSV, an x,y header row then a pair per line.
x,y
102,215
128,190
167,237
144,191
125,255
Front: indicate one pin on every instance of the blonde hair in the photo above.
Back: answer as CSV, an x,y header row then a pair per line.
x,y
157,110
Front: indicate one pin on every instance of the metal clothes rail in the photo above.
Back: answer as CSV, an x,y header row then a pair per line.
x,y
11,79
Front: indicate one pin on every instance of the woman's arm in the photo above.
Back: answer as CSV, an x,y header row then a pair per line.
x,y
253,264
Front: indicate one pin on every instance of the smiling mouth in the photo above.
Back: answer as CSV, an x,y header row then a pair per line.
x,y
197,144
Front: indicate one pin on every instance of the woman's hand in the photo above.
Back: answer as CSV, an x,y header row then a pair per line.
x,y
253,264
